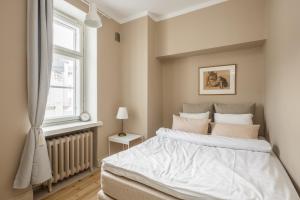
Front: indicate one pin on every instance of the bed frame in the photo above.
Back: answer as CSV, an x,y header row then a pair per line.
x,y
114,187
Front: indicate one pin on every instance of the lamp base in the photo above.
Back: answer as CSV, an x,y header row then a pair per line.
x,y
122,134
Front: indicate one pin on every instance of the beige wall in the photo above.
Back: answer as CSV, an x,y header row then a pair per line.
x,y
109,83
14,124
154,82
282,82
233,23
134,62
180,80
13,102
229,23
141,77
130,75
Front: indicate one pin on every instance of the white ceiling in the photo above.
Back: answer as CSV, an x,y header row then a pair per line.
x,y
127,10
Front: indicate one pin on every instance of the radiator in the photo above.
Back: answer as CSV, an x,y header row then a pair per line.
x,y
70,155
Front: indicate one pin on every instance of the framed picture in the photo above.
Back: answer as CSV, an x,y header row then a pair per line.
x,y
217,79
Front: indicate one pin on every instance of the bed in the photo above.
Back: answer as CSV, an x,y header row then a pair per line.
x,y
180,165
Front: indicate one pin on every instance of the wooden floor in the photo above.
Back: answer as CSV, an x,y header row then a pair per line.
x,y
85,189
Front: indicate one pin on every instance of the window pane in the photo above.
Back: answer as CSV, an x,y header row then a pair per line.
x,y
63,71
65,35
60,103
64,92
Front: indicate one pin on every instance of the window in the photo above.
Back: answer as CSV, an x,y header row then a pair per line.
x,y
65,99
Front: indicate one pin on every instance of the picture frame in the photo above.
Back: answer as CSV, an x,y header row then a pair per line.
x,y
217,80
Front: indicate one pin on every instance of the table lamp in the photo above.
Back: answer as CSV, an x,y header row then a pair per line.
x,y
122,114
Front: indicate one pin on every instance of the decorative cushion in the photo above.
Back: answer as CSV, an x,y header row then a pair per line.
x,y
235,130
190,125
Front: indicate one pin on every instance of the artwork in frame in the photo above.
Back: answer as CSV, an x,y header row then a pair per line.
x,y
217,79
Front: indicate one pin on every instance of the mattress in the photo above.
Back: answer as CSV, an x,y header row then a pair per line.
x,y
190,166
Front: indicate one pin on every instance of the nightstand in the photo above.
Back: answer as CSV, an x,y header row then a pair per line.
x,y
125,140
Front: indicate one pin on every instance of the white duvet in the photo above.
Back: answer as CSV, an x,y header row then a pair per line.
x,y
193,166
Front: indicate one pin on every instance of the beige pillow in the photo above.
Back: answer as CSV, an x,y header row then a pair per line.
x,y
235,130
190,125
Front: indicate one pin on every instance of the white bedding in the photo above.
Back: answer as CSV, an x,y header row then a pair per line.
x,y
193,166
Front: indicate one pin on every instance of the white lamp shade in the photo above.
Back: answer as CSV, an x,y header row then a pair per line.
x,y
92,19
122,113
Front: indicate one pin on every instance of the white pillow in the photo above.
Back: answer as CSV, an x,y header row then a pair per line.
x,y
245,119
195,115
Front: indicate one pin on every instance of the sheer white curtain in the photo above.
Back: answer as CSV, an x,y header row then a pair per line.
x,y
35,166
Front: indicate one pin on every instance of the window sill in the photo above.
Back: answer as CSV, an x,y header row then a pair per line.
x,y
66,128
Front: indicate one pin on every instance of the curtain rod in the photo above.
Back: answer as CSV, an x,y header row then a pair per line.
x,y
101,12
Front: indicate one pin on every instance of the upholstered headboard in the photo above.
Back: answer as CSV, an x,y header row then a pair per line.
x,y
199,108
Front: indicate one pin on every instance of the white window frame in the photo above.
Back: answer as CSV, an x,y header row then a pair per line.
x,y
72,54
